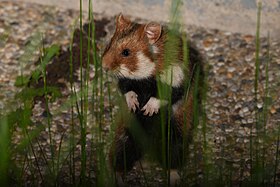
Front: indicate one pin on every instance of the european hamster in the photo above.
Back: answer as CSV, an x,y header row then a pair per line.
x,y
136,55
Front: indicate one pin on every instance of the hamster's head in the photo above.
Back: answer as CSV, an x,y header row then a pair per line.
x,y
131,51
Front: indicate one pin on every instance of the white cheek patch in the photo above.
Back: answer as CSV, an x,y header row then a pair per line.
x,y
125,72
145,68
172,75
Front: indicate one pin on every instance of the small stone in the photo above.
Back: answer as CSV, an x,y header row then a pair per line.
x,y
249,58
221,64
250,121
216,40
235,43
216,105
245,109
248,38
220,58
89,136
228,33
272,110
225,104
259,105
228,130
229,75
207,44
231,69
9,55
234,88
238,105
210,54
57,137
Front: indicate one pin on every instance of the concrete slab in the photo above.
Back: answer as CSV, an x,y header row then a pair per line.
x,y
229,15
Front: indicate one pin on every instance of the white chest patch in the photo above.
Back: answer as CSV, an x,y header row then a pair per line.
x,y
155,49
145,68
172,75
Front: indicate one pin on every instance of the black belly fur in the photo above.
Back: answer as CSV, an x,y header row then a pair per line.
x,y
145,89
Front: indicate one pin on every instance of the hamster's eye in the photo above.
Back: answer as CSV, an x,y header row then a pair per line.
x,y
125,52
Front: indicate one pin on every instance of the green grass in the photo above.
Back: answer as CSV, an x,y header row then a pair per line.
x,y
255,166
4,156
87,163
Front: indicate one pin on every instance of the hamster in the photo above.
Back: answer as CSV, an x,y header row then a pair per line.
x,y
136,55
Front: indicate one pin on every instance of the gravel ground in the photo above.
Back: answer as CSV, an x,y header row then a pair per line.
x,y
230,101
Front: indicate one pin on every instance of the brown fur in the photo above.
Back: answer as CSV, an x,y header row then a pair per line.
x,y
132,35
135,39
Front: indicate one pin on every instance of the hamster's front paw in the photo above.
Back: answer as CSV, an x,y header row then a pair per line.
x,y
152,106
131,100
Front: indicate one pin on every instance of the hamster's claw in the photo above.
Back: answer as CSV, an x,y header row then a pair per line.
x,y
131,100
152,106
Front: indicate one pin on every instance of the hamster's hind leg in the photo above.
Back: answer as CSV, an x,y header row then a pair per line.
x,y
124,151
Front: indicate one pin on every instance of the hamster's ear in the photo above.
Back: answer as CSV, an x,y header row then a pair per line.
x,y
122,21
153,32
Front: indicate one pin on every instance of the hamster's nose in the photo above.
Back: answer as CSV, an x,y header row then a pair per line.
x,y
107,62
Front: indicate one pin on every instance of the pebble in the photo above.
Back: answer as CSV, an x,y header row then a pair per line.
x,y
243,111
272,110
220,64
250,121
231,69
259,105
237,106
249,58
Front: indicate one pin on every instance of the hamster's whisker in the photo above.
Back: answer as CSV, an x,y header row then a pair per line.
x,y
125,70
118,74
